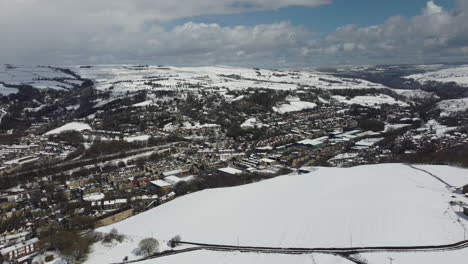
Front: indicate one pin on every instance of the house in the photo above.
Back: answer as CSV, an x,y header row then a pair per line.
x,y
114,204
8,239
5,203
172,179
465,189
178,172
230,171
161,184
20,250
267,162
114,217
78,182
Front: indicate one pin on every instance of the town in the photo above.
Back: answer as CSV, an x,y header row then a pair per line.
x,y
103,161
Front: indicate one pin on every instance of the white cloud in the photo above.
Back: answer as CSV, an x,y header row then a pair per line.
x,y
434,35
118,31
432,9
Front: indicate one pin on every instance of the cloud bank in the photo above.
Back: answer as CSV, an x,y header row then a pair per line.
x,y
119,31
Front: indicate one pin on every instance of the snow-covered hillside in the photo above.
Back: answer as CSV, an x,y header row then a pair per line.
x,y
119,76
371,100
374,205
36,76
458,74
416,94
294,105
73,126
452,107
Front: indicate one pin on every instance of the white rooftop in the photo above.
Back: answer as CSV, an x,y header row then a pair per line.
x,y
230,170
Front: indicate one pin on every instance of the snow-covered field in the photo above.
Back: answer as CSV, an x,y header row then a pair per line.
x,y
370,100
457,74
294,105
416,94
132,78
75,126
386,204
452,107
36,76
7,90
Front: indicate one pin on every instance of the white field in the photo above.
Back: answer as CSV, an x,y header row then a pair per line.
x,y
75,126
370,100
416,94
294,104
129,78
374,205
458,74
452,107
36,76
208,257
7,90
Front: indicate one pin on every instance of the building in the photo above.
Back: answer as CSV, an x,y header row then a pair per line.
x,y
114,217
161,184
230,171
20,250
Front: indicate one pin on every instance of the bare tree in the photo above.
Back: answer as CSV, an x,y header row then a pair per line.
x,y
148,246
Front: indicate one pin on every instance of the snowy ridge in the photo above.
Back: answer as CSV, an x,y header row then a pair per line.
x,y
41,77
74,126
133,78
458,74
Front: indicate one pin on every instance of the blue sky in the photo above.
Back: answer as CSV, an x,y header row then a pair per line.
x,y
258,33
324,18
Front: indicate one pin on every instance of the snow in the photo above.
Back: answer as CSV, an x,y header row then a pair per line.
x,y
452,107
137,138
294,105
7,90
385,204
451,257
368,142
229,170
75,126
313,142
210,257
453,175
128,78
37,76
437,128
93,197
457,74
161,183
145,103
252,122
416,94
172,179
343,156
189,125
370,100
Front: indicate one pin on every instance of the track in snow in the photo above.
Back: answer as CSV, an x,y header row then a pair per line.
x,y
448,185
343,252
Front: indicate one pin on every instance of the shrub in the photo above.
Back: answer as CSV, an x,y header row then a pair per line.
x,y
148,246
113,235
174,242
49,258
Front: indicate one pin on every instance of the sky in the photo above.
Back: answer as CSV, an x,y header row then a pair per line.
x,y
250,33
